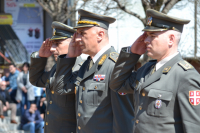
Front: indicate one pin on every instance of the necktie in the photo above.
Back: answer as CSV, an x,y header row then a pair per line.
x,y
153,70
91,64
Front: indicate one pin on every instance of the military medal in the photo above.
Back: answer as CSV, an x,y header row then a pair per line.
x,y
121,93
99,77
158,103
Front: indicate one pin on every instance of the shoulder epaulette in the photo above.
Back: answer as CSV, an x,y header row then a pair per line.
x,y
185,65
114,56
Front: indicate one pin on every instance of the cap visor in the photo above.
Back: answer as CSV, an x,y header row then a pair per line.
x,y
57,38
82,26
152,28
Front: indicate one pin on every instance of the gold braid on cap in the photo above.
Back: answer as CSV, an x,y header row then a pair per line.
x,y
88,22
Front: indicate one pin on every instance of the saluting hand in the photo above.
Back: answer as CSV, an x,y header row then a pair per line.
x,y
74,49
45,49
139,47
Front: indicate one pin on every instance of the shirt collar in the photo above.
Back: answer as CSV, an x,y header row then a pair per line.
x,y
104,49
165,60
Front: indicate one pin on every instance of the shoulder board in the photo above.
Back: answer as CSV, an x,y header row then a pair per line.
x,y
185,65
103,58
114,56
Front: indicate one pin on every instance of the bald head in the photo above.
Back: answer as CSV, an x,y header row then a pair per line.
x,y
3,85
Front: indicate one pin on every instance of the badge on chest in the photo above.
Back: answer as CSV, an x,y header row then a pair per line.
x,y
99,77
158,102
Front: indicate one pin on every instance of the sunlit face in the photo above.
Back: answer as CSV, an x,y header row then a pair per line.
x,y
12,69
60,47
3,85
156,44
87,39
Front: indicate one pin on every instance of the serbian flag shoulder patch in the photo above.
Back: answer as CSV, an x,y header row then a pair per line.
x,y
194,97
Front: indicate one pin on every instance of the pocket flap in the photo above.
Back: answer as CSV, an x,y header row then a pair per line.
x,y
97,86
164,95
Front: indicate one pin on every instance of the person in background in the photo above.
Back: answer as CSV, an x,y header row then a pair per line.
x,y
1,74
38,93
13,82
6,78
25,91
31,120
6,103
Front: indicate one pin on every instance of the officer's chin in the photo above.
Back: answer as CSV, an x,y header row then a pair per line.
x,y
55,57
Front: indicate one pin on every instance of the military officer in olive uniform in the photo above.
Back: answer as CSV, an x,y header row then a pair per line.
x,y
166,90
60,111
97,107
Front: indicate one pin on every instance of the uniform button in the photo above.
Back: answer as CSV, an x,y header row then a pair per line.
x,y
95,87
46,123
52,92
47,112
137,121
79,127
79,114
143,94
81,101
83,88
50,102
140,107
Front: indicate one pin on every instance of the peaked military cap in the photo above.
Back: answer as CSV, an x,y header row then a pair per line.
x,y
61,31
89,19
158,21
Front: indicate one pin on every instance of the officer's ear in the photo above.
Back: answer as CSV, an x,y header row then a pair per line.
x,y
100,35
171,40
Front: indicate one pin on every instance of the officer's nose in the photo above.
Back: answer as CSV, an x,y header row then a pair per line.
x,y
78,37
53,48
147,40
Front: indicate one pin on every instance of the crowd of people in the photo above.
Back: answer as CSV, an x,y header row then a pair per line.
x,y
21,97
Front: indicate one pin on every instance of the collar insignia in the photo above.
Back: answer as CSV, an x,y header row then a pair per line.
x,y
103,58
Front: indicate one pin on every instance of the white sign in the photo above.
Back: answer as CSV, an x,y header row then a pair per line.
x,y
27,22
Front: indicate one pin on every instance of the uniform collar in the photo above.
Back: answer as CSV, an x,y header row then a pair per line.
x,y
165,60
104,49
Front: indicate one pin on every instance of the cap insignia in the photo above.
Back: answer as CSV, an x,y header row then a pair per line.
x,y
149,21
88,22
79,17
54,31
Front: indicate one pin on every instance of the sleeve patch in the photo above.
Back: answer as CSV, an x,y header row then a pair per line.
x,y
185,65
114,56
194,97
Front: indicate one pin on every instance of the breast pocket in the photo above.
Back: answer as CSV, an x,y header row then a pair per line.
x,y
95,94
158,102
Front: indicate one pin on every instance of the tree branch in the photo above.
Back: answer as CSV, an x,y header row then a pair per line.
x,y
130,12
169,6
45,7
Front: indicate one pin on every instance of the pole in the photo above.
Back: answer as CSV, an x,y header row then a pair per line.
x,y
195,28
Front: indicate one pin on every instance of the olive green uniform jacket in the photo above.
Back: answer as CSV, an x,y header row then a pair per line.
x,y
97,108
60,111
171,85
